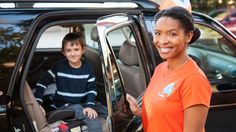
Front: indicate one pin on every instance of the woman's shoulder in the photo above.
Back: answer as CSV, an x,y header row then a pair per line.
x,y
161,66
196,70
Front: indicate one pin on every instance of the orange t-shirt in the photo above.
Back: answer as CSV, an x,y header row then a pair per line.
x,y
168,95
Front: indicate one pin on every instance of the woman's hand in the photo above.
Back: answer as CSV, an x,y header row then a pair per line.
x,y
90,113
136,110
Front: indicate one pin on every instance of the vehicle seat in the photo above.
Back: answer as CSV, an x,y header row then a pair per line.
x,y
92,54
93,57
94,34
39,120
34,110
130,69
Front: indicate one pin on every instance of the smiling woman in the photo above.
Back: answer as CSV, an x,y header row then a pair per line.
x,y
179,93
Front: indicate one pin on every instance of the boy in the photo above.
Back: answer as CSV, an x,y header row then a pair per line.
x,y
75,82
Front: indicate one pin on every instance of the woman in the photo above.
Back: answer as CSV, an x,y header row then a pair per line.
x,y
178,96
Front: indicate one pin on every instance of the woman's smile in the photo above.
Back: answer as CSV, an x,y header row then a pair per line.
x,y
164,50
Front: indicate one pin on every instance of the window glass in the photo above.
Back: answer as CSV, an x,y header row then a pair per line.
x,y
116,91
126,63
53,36
115,39
127,59
214,54
11,40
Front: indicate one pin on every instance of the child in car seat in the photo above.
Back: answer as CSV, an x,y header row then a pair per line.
x,y
75,81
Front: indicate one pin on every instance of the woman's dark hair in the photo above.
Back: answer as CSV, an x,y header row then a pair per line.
x,y
183,16
74,38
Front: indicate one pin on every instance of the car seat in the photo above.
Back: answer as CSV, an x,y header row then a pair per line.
x,y
53,121
130,69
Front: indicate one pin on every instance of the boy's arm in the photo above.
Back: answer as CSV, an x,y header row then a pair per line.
x,y
42,84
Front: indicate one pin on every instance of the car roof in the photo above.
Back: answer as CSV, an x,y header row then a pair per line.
x,y
140,4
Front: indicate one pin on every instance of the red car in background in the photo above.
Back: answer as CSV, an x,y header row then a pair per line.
x,y
230,21
227,17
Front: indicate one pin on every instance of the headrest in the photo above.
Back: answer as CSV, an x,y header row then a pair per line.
x,y
94,34
128,54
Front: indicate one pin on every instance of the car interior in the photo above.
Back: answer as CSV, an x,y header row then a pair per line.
x,y
130,70
207,52
48,52
43,59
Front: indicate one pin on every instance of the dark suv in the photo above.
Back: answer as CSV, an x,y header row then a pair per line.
x,y
119,46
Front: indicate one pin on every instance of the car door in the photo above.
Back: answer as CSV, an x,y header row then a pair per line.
x,y
14,26
124,67
216,55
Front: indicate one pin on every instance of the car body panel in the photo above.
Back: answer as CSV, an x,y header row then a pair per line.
x,y
19,121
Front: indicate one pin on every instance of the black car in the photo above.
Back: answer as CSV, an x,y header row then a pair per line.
x,y
31,34
120,48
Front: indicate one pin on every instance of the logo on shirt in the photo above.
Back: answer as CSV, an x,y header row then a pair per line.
x,y
167,90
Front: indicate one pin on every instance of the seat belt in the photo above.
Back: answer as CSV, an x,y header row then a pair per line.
x,y
38,118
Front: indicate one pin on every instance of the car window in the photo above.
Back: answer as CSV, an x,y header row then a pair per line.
x,y
214,54
212,40
52,37
127,58
115,39
11,40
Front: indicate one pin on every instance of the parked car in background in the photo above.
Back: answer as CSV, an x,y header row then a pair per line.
x,y
230,21
227,17
119,46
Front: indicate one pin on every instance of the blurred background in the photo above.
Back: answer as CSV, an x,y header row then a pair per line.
x,y
206,6
222,10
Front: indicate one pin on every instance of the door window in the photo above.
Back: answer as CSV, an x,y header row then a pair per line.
x,y
11,40
126,72
216,56
127,59
53,36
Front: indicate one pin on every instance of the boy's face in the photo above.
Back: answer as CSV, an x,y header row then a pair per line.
x,y
73,53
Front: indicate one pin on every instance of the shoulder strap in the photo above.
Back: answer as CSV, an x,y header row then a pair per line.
x,y
36,114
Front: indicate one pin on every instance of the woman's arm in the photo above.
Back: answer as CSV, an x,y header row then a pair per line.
x,y
195,118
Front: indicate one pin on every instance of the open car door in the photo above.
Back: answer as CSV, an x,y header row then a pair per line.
x,y
123,67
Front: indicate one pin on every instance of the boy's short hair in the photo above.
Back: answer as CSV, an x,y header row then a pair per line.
x,y
74,38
